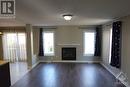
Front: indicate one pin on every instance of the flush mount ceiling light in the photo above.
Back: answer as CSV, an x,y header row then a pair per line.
x,y
67,17
1,33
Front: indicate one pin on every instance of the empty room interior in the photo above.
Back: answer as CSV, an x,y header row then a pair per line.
x,y
64,43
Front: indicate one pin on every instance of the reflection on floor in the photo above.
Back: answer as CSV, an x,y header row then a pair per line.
x,y
68,75
17,70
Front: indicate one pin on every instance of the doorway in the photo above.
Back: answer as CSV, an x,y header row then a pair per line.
x,y
14,49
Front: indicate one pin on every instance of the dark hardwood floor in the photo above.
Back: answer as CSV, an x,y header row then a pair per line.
x,y
67,75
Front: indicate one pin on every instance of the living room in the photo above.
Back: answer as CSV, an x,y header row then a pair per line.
x,y
50,41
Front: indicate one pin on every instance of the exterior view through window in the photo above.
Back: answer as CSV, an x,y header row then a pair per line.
x,y
89,43
48,41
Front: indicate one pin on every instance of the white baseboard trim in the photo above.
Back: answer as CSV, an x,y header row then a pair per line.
x,y
126,84
69,61
34,65
31,67
107,69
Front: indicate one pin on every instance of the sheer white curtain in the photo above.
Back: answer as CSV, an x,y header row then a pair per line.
x,y
14,46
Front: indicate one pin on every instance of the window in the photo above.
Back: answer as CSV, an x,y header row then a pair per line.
x,y
14,47
110,46
48,41
89,43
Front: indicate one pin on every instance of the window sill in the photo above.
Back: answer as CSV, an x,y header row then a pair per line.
x,y
88,54
49,55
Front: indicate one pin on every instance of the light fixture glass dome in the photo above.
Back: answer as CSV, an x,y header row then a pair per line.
x,y
1,33
67,17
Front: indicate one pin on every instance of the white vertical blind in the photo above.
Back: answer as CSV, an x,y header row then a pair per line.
x,y
14,46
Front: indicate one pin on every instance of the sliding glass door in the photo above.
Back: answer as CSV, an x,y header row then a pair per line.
x,y
14,46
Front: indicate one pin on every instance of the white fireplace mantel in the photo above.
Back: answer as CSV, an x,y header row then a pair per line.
x,y
68,44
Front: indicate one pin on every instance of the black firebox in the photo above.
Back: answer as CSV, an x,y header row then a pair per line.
x,y
69,53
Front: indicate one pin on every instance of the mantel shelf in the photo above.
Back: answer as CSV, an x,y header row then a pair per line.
x,y
68,44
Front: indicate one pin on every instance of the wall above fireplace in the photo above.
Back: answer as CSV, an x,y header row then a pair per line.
x,y
68,44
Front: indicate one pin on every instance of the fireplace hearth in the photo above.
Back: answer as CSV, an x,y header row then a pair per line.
x,y
69,53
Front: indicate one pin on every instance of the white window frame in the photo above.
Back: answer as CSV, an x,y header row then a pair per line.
x,y
44,31
88,30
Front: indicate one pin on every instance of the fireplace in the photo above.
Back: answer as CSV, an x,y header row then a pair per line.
x,y
69,53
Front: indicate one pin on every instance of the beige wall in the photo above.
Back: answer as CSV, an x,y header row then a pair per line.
x,y
63,35
69,35
125,55
126,46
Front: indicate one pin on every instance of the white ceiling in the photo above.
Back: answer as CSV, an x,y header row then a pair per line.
x,y
86,12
